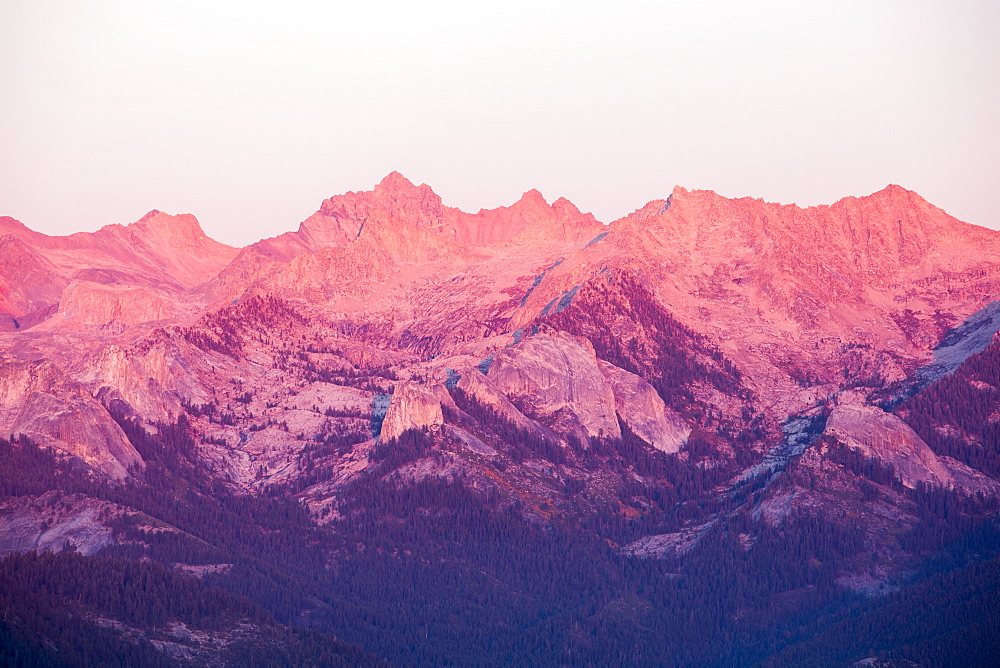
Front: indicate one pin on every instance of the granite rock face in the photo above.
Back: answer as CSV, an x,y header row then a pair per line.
x,y
38,400
413,407
643,410
52,521
878,434
699,371
557,379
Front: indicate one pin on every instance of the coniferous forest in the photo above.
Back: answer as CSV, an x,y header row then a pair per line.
x,y
437,573
442,571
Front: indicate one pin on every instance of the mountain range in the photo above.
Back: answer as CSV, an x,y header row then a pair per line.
x,y
715,431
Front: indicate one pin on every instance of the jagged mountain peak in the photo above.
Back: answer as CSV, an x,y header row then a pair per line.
x,y
395,196
892,195
396,182
396,211
892,192
397,191
893,226
540,213
153,213
533,196
165,227
10,225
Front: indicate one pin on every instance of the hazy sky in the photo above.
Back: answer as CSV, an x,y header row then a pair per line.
x,y
248,114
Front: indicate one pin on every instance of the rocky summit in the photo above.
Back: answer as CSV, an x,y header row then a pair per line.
x,y
715,431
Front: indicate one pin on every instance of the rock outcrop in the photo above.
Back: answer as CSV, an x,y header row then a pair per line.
x,y
39,401
54,521
666,374
876,433
87,303
153,381
556,380
735,312
413,406
884,436
483,391
642,409
28,281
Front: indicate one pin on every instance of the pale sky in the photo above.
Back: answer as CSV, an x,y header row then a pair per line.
x,y
249,114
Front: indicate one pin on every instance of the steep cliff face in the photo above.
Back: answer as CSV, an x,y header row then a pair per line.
x,y
823,267
643,410
39,401
882,435
746,245
413,407
710,309
803,301
484,392
84,303
810,314
557,379
28,282
696,317
886,437
153,379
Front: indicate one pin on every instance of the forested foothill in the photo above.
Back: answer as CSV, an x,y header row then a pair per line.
x,y
442,571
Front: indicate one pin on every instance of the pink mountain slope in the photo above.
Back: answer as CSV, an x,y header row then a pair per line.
x,y
158,253
404,218
786,305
